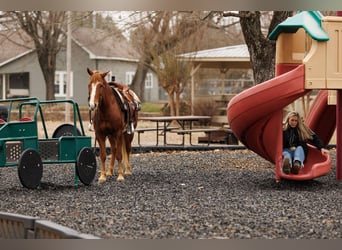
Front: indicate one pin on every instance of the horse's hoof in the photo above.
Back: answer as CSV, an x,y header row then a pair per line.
x,y
128,173
120,178
102,180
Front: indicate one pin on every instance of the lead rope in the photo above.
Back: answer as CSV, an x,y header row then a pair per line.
x,y
92,124
95,129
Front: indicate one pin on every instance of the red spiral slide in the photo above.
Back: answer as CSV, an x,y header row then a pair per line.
x,y
256,114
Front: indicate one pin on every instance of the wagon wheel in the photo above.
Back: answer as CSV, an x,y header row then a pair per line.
x,y
86,166
30,168
65,130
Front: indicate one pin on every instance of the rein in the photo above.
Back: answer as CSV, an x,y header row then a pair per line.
x,y
96,116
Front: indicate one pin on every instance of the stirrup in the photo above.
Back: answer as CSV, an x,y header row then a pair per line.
x,y
130,128
138,106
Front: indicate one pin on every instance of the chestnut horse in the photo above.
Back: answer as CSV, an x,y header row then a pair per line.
x,y
109,122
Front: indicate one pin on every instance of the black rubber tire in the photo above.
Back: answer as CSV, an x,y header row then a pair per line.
x,y
86,166
65,130
30,168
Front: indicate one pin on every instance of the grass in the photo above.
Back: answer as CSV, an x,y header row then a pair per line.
x,y
146,107
152,107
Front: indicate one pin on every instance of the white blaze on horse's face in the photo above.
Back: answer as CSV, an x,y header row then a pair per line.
x,y
92,104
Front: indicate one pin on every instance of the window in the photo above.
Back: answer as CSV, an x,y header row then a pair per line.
x,y
18,85
60,83
148,79
129,77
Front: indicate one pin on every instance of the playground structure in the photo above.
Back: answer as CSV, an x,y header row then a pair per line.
x,y
308,57
22,146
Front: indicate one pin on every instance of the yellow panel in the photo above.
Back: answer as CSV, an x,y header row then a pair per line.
x,y
332,97
333,26
291,47
315,62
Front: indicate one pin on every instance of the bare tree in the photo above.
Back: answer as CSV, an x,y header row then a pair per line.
x,y
173,76
46,29
159,32
154,34
261,49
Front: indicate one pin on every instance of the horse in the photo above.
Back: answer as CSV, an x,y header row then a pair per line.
x,y
109,122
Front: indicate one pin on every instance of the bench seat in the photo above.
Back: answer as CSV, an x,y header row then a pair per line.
x,y
212,134
151,129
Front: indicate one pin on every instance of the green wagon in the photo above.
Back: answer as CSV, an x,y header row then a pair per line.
x,y
26,143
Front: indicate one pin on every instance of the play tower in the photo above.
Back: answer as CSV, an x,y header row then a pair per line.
x,y
308,56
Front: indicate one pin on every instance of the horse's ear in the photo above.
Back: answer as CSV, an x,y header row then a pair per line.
x,y
89,71
104,74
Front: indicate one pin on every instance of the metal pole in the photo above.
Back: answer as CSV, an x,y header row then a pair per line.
x,y
68,66
192,91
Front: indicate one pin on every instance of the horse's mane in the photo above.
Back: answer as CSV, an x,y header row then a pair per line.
x,y
97,76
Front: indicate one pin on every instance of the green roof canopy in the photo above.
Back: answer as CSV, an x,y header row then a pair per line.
x,y
308,20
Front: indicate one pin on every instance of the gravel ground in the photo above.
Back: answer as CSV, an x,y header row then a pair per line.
x,y
184,195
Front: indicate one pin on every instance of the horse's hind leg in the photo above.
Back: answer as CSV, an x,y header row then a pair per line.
x,y
118,156
126,149
116,146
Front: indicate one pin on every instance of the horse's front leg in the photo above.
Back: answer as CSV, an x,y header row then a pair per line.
x,y
103,156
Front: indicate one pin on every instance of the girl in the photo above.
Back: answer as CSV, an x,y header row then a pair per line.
x,y
295,136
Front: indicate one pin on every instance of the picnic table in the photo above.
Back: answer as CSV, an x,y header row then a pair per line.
x,y
185,125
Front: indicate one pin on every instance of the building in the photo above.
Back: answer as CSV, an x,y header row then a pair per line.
x,y
220,61
21,75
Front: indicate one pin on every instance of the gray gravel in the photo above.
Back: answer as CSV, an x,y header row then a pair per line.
x,y
184,195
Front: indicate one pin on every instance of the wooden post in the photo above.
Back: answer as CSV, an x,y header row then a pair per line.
x,y
338,135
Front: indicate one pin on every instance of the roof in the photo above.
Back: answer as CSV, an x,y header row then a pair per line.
x,y
236,56
228,53
97,43
102,45
14,44
308,20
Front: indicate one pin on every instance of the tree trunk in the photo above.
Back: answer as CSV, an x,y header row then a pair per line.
x,y
177,103
50,87
178,100
172,103
138,83
261,49
47,61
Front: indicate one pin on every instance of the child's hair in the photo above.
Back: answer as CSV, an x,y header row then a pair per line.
x,y
305,133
